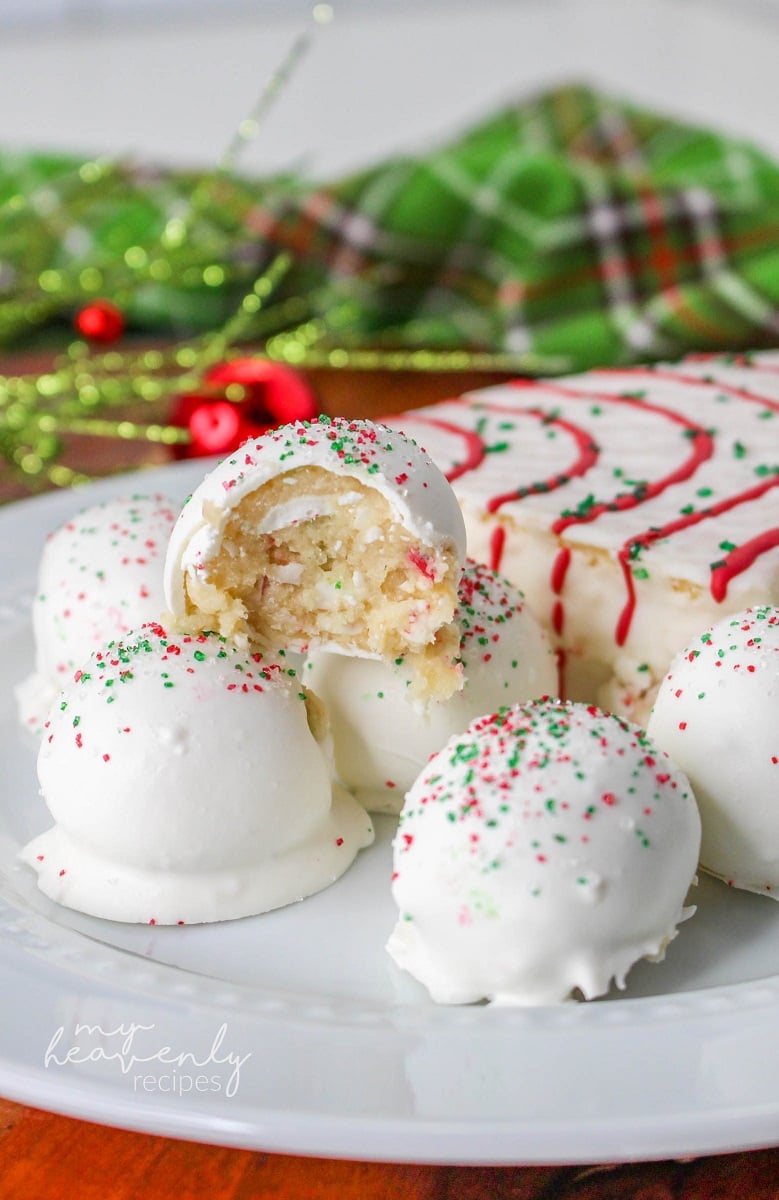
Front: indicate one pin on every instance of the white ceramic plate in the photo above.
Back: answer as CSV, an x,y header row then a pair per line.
x,y
294,1031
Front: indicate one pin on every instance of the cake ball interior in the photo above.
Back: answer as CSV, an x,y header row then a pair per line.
x,y
311,556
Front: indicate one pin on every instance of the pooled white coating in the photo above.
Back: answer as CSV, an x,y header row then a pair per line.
x,y
540,854
717,715
382,739
186,785
380,458
100,576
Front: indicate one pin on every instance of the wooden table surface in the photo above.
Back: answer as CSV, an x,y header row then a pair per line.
x,y
45,1155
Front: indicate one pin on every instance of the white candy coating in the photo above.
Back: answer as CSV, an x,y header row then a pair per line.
x,y
187,785
539,854
717,715
380,458
100,576
382,739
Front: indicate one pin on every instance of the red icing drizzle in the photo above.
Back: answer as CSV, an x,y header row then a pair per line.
x,y
559,572
739,559
701,448
560,569
497,544
733,564
700,381
475,449
587,456
558,616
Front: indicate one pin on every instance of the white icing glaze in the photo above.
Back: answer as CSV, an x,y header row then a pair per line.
x,y
540,853
382,740
381,458
632,507
100,576
717,715
186,786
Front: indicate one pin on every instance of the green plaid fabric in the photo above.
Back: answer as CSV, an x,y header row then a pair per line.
x,y
570,230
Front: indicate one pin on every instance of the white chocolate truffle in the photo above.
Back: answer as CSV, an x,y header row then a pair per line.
x,y
382,739
539,855
100,576
717,715
333,533
187,785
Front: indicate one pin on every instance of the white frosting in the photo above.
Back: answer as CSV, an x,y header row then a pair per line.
x,y
100,576
381,458
626,504
382,740
717,715
540,853
186,786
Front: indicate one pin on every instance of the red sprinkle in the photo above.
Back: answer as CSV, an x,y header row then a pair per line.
x,y
418,560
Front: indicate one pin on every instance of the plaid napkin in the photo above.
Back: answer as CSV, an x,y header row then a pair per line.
x,y
568,231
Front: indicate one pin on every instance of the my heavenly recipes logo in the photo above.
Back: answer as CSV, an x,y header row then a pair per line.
x,y
150,1067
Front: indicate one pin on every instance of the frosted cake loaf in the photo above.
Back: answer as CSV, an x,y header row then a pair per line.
x,y
633,507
